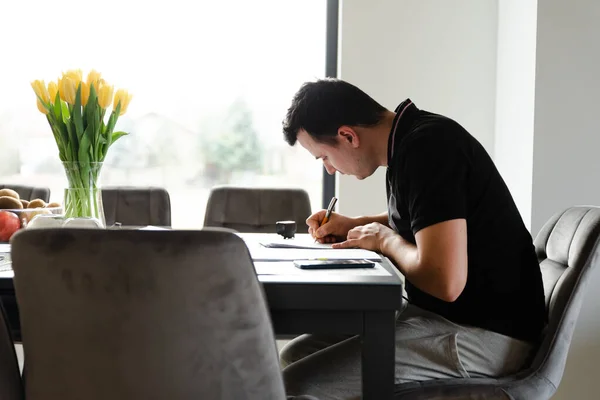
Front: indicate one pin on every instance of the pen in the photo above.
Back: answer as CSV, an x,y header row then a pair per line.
x,y
329,211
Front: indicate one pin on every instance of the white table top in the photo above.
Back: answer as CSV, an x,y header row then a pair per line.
x,y
279,261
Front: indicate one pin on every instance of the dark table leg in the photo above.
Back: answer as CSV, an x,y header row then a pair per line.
x,y
378,355
11,313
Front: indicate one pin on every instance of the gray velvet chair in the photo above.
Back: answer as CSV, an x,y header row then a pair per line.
x,y
129,314
137,206
247,209
29,192
11,387
567,248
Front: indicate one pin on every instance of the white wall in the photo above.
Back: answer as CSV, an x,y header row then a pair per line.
x,y
567,128
566,162
441,54
515,98
444,55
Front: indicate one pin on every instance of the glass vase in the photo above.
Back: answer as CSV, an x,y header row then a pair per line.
x,y
83,196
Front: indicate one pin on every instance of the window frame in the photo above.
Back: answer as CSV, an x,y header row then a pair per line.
x,y
331,71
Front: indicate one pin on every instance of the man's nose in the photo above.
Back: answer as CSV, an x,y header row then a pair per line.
x,y
329,168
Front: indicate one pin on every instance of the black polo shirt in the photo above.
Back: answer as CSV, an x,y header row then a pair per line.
x,y
438,172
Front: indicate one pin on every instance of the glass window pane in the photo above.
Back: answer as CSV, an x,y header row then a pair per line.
x,y
211,82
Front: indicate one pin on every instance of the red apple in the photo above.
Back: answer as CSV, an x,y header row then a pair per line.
x,y
9,224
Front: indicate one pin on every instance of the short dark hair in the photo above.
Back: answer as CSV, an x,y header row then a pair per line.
x,y
321,107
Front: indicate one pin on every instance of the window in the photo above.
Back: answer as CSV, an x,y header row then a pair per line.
x,y
211,82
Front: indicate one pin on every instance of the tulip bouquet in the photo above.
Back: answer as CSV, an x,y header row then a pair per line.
x,y
76,111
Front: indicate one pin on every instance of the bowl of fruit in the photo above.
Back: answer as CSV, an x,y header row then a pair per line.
x,y
17,213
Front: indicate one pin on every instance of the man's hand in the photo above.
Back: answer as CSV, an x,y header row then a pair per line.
x,y
334,230
437,264
369,237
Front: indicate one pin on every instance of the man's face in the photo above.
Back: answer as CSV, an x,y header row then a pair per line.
x,y
343,157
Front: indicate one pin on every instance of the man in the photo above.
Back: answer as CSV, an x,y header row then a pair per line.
x,y
475,295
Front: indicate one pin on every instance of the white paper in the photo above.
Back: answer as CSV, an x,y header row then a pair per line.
x,y
153,228
320,251
301,242
288,268
5,263
7,273
266,254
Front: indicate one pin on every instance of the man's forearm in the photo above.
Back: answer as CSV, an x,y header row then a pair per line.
x,y
406,257
381,218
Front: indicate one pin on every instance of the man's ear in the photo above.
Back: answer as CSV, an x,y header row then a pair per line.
x,y
348,135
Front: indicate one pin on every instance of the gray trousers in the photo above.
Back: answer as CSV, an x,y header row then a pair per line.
x,y
428,346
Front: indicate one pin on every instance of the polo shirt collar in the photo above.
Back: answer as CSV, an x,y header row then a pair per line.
x,y
402,122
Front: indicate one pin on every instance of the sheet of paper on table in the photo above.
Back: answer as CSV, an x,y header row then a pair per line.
x,y
153,228
302,247
260,253
299,242
288,268
5,263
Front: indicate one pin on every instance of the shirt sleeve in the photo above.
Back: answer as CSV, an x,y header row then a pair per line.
x,y
435,171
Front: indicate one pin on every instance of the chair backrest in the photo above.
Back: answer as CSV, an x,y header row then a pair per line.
x,y
11,387
567,248
29,192
138,206
247,209
130,314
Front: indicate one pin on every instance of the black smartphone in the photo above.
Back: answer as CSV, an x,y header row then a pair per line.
x,y
333,264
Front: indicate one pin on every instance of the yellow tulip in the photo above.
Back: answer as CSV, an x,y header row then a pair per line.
x,y
105,94
75,74
94,78
101,82
123,97
39,87
41,107
52,90
85,93
66,89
